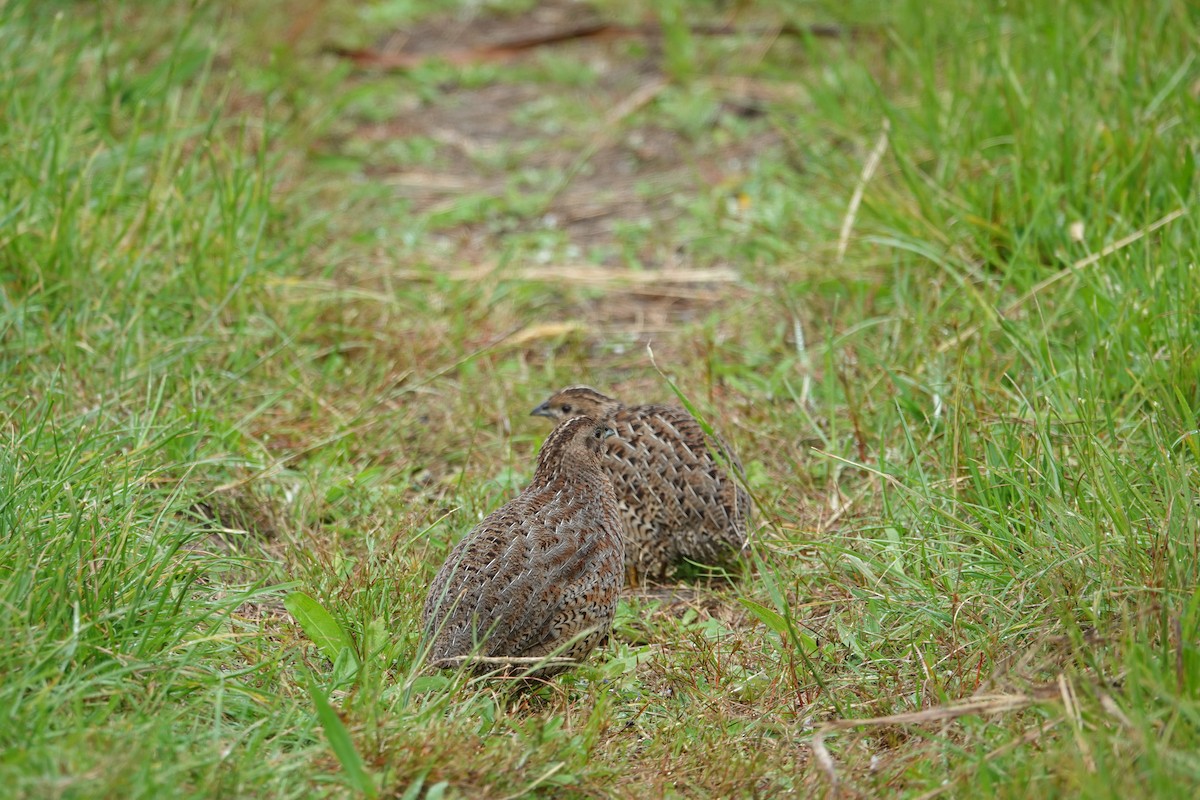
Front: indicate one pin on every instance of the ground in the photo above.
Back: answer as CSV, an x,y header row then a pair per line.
x,y
282,283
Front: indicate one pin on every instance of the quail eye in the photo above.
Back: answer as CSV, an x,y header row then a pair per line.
x,y
566,409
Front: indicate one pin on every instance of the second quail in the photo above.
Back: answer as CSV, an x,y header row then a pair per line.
x,y
677,501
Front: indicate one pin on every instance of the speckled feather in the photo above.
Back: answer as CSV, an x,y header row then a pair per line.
x,y
676,500
541,571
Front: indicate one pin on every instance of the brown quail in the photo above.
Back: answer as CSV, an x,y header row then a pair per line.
x,y
540,576
676,500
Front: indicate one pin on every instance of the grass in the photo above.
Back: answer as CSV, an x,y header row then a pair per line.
x,y
242,365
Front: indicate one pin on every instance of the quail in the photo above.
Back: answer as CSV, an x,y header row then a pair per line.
x,y
538,580
676,500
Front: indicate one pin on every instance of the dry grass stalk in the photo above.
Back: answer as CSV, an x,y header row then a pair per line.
x,y
869,168
1082,263
976,706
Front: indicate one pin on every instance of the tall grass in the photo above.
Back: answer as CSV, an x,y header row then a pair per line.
x,y
133,227
238,373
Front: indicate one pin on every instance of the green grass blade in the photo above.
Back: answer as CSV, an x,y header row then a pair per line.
x,y
341,743
325,631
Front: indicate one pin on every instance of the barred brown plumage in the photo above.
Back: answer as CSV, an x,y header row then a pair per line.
x,y
675,499
540,577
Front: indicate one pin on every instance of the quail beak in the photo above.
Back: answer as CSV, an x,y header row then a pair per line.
x,y
542,411
609,432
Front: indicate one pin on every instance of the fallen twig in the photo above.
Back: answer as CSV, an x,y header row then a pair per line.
x,y
985,704
514,661
504,51
580,275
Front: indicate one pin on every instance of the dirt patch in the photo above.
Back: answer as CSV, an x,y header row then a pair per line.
x,y
607,186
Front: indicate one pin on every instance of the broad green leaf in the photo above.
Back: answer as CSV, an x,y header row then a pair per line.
x,y
776,622
345,667
319,624
772,619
